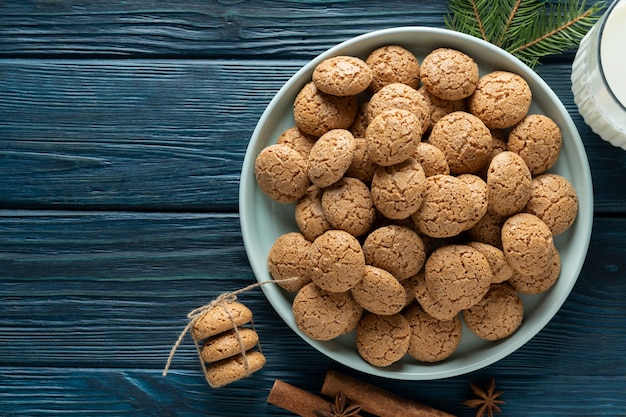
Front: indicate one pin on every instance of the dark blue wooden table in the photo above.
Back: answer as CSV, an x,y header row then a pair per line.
x,y
123,127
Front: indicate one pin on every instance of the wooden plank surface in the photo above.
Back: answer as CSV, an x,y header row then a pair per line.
x,y
167,134
123,126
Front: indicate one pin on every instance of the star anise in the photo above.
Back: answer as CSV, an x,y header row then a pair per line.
x,y
340,408
487,400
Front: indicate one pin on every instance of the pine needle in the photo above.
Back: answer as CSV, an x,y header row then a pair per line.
x,y
528,29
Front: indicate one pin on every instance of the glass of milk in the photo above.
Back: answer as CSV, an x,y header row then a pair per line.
x,y
599,76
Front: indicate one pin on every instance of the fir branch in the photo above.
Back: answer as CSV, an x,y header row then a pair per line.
x,y
529,29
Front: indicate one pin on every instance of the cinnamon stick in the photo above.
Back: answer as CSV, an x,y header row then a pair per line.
x,y
298,401
375,400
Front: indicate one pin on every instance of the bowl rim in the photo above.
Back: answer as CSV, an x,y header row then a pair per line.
x,y
583,236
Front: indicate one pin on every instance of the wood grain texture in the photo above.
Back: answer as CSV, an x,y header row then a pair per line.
x,y
167,134
197,28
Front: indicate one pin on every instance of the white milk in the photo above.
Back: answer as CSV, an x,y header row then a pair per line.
x,y
613,51
599,76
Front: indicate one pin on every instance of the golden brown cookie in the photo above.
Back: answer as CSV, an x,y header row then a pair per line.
x,y
393,136
336,261
498,315
501,99
281,173
287,260
219,319
316,113
297,140
379,292
432,340
500,268
432,159
324,315
330,157
361,120
553,199
309,214
449,74
342,76
509,181
488,229
234,368
480,194
440,107
348,206
396,249
527,244
438,308
362,166
382,340
464,140
446,209
458,275
540,282
537,139
400,96
393,64
227,344
397,190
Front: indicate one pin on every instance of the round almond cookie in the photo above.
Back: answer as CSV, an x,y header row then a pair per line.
x,y
296,139
432,159
500,268
397,190
393,136
400,96
342,76
330,157
540,282
287,260
440,309
553,199
361,121
362,166
464,140
348,206
480,194
315,113
431,340
509,182
393,64
501,99
281,173
458,275
309,214
440,107
396,249
498,315
382,340
449,74
324,315
488,229
537,139
527,244
379,292
336,261
446,209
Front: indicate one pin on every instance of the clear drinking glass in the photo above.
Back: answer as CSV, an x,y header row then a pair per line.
x,y
598,76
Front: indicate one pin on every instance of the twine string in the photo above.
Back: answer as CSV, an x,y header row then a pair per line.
x,y
196,313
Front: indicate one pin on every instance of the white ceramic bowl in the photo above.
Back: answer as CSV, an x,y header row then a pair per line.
x,y
263,220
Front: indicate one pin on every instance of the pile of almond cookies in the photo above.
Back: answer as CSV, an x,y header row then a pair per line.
x,y
423,198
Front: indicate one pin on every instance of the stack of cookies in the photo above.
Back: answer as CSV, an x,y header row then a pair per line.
x,y
227,351
423,200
